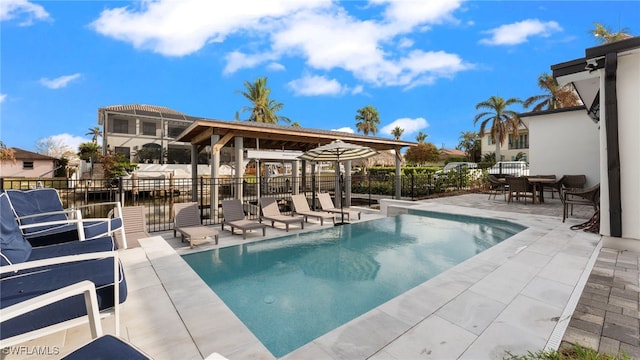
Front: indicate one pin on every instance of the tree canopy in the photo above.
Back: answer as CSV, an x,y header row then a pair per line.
x,y
422,154
367,120
262,109
499,121
555,97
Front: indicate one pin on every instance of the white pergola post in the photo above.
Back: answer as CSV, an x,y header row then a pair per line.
x,y
295,174
337,190
347,183
239,151
215,167
398,172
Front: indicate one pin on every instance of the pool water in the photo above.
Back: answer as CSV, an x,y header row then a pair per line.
x,y
293,289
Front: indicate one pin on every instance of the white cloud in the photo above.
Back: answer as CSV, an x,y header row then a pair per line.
x,y
274,66
59,82
178,28
519,32
2,98
409,125
312,30
72,141
310,85
11,9
345,129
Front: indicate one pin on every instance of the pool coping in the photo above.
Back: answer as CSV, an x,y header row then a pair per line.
x,y
393,330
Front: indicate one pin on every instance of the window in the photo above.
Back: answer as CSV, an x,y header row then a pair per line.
x,y
490,140
519,142
27,165
123,150
174,131
149,128
121,126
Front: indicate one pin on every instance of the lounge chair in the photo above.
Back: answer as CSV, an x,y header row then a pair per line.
x,y
43,219
589,196
301,206
21,282
186,221
326,204
101,346
234,218
15,248
271,212
135,225
520,187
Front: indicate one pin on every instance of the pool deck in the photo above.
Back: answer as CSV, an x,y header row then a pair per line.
x,y
517,296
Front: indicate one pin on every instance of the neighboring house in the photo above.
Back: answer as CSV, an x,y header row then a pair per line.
x,y
607,79
28,164
447,153
145,133
513,146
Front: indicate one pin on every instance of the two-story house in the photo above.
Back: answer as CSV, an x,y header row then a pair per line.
x,y
145,133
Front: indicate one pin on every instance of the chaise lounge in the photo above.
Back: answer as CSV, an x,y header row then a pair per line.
x,y
271,212
327,205
186,221
234,218
301,206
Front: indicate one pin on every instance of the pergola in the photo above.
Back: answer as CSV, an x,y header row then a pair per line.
x,y
263,136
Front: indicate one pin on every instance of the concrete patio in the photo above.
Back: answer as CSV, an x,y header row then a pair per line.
x,y
517,296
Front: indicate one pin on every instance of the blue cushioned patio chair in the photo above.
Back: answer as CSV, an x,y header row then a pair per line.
x,y
43,219
102,346
27,272
19,284
15,248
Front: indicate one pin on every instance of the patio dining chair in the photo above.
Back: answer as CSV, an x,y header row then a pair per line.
x,y
271,212
234,218
589,196
519,187
496,186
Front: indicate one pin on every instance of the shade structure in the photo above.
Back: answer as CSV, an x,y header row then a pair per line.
x,y
338,150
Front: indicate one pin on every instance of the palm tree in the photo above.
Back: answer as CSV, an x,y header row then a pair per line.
x,y
262,108
503,121
368,119
605,36
556,97
421,137
295,124
95,133
397,132
468,143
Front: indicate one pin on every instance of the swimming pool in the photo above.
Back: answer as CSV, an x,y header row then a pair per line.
x,y
293,289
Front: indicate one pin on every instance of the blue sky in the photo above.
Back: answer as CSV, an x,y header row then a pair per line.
x,y
423,64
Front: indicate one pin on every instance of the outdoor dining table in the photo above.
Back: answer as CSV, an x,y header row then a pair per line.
x,y
539,182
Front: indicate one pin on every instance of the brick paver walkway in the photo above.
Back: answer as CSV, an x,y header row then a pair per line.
x,y
607,318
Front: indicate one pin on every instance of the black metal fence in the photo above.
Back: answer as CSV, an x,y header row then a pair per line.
x,y
158,195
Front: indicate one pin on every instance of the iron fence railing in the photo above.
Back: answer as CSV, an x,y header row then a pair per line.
x,y
158,195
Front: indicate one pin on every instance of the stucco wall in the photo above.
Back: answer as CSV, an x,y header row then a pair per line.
x,y
565,143
628,89
10,169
